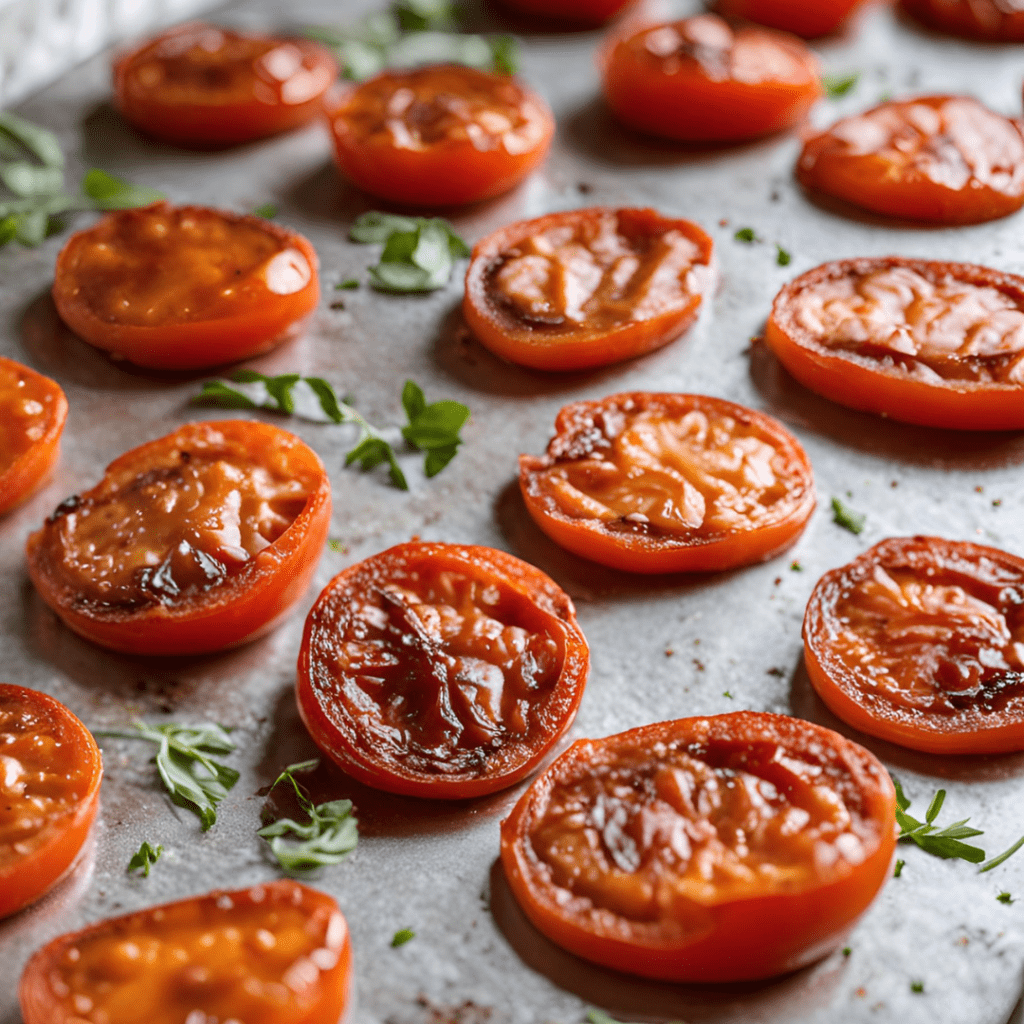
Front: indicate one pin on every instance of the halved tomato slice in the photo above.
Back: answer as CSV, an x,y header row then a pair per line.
x,y
920,641
440,670
808,20
574,12
728,848
998,21
195,542
650,483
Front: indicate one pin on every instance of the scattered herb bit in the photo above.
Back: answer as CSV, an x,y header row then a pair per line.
x,y
945,843
146,857
997,502
327,838
335,544
1005,855
899,868
1005,897
917,986
349,284
726,693
839,85
782,257
747,235
110,193
424,15
401,937
847,950
844,516
795,567
266,210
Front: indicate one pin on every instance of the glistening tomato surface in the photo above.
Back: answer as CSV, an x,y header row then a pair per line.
x,y
727,848
920,641
652,483
440,135
194,542
698,80
179,288
1000,21
576,12
940,344
273,954
797,16
586,287
943,159
205,86
50,771
32,414
440,670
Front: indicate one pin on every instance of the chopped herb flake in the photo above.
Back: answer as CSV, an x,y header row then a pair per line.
x,y
898,870
782,257
347,285
839,85
144,859
402,936
266,210
747,235
917,986
1005,897
844,516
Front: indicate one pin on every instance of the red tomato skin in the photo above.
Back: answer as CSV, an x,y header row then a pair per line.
x,y
196,344
956,405
807,20
30,879
235,615
745,940
574,12
969,19
31,469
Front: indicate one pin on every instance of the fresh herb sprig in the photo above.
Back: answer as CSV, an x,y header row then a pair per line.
x,y
945,842
847,518
145,858
327,838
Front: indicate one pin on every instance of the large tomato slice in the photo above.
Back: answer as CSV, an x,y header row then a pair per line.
x,y
575,12
920,641
440,670
652,483
197,541
278,953
50,771
586,287
809,20
727,848
999,21
940,344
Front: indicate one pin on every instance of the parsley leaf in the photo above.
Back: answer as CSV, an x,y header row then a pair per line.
x,y
839,85
946,842
844,516
146,857
747,235
782,257
419,252
401,937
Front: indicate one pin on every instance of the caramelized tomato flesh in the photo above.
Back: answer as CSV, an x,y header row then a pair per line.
x,y
796,16
27,411
995,20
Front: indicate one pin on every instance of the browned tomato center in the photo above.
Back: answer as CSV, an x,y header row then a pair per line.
x,y
24,417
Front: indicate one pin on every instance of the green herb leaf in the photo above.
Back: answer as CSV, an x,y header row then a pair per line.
x,y
1005,897
413,400
346,285
279,389
38,141
847,950
898,870
747,235
432,428
504,54
401,937
839,85
110,193
374,227
1005,855
146,857
266,210
419,252
917,986
782,257
216,392
8,229
935,806
844,516
30,181
424,15
336,544
795,567
945,843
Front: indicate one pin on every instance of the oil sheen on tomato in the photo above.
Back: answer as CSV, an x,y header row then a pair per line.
x,y
25,414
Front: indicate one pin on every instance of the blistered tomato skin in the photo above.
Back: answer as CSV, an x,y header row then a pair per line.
x,y
996,21
809,20
698,80
920,641
583,288
207,87
278,953
32,414
729,848
440,670
185,287
938,344
442,135
195,542
573,12
939,159
50,772
652,483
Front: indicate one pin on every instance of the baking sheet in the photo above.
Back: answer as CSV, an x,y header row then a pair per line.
x,y
662,647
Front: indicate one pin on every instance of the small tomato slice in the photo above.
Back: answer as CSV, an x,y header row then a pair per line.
x,y
942,159
698,80
439,136
998,21
194,542
32,414
808,20
920,641
728,848
50,771
277,953
582,288
652,483
440,670
205,86
185,287
575,12
939,344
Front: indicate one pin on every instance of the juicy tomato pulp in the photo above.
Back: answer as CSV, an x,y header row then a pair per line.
x,y
200,85
50,771
698,80
191,543
920,641
440,670
185,287
727,848
273,954
576,12
809,20
32,414
999,21
440,135
669,483
586,287
940,344
944,159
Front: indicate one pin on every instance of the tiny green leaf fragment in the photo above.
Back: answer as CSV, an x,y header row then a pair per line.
x,y
917,987
349,284
110,193
782,257
144,859
844,516
795,567
424,15
1005,897
746,235
898,870
401,937
839,85
847,950
266,210
38,141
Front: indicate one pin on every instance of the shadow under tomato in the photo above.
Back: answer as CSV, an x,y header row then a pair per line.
x,y
638,999
934,447
851,211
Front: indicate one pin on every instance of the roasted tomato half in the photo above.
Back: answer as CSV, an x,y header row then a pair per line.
x,y
943,159
809,20
669,483
940,344
583,288
575,12
698,80
998,21
920,641
204,86
185,287
717,849
441,670
195,542
32,414
277,953
439,136
50,770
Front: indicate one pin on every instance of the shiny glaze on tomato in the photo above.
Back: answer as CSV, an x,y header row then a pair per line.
x,y
808,20
998,21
